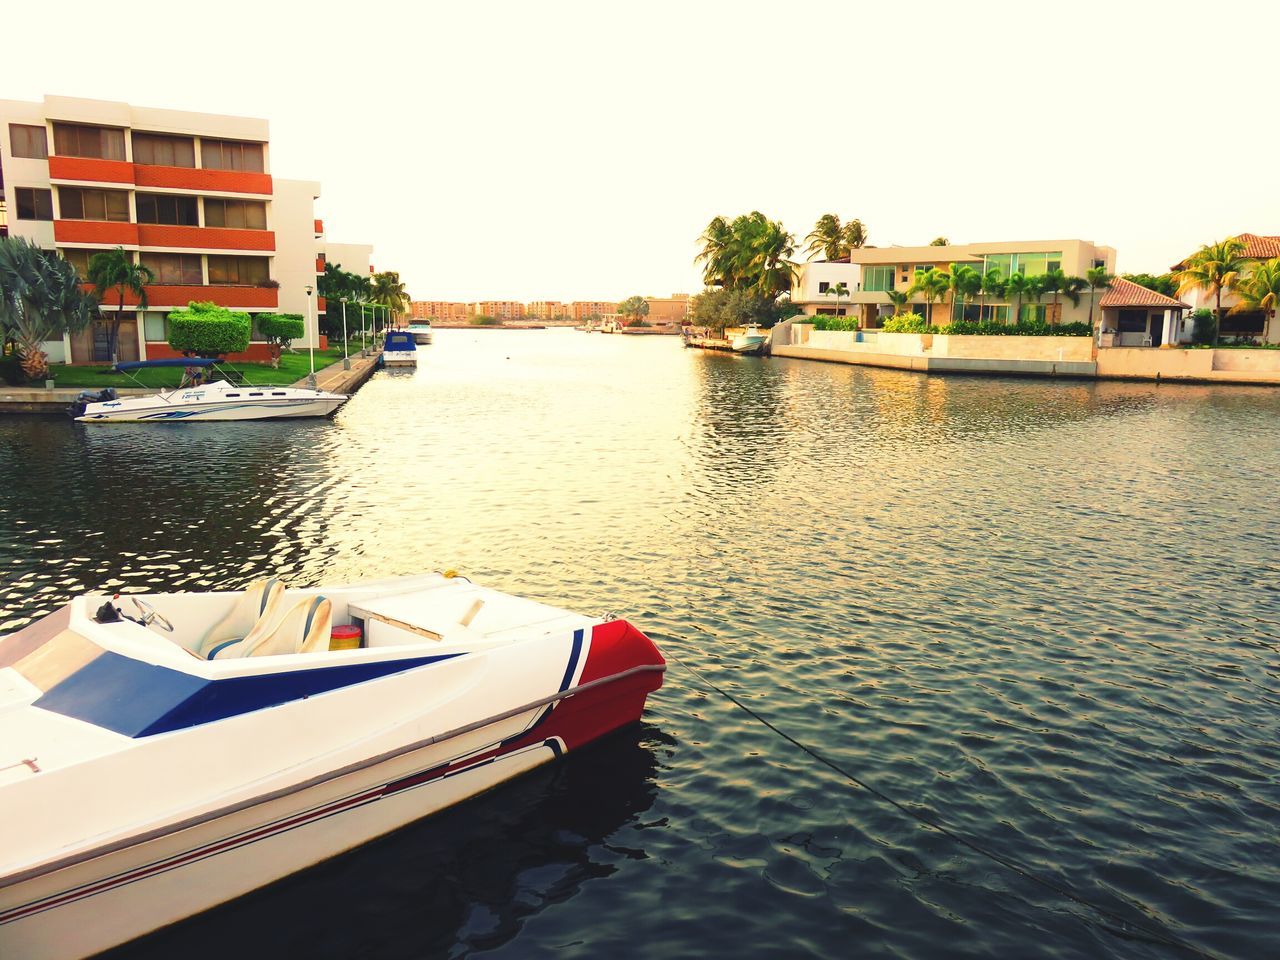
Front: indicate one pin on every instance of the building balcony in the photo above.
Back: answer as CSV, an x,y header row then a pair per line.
x,y
168,295
95,231
87,170
319,264
320,304
203,238
205,181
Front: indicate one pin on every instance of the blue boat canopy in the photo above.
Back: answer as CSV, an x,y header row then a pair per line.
x,y
171,362
399,340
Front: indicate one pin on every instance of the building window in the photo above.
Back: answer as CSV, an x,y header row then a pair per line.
x,y
78,257
154,149
1099,263
80,203
240,214
155,327
877,279
33,204
167,208
175,268
1034,312
99,143
231,155
27,141
823,286
241,271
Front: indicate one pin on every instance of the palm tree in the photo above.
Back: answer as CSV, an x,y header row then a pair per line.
x,y
939,242
116,269
763,257
389,291
854,234
827,238
1018,286
40,299
635,309
1071,288
992,286
964,282
933,283
1098,279
1260,290
838,290
1213,267
716,240
898,299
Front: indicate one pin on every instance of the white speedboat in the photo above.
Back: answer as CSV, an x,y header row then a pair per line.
x,y
399,349
749,341
218,400
421,330
153,767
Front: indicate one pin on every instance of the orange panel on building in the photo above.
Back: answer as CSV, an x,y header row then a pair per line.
x,y
86,169
205,238
188,178
95,231
257,353
179,295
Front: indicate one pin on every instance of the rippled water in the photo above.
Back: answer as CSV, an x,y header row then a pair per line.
x,y
1045,613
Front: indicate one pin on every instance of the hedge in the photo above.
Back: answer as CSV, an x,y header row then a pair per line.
x,y
207,330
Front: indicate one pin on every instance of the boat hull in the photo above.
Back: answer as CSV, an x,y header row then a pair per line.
x,y
400,358
266,409
747,344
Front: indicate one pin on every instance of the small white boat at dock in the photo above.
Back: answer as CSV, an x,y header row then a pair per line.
x,y
400,349
749,341
421,330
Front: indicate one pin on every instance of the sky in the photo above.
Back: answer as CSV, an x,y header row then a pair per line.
x,y
574,151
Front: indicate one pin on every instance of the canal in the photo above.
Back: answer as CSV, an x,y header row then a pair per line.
x,y
1044,613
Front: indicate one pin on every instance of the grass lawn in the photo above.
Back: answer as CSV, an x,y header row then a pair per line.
x,y
293,366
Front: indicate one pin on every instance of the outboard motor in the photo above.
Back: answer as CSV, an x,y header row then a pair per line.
x,y
86,397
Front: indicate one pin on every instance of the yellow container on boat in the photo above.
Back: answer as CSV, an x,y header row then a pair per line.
x,y
346,637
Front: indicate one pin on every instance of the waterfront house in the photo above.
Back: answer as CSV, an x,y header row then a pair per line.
x,y
885,269
189,195
1133,316
1240,323
815,281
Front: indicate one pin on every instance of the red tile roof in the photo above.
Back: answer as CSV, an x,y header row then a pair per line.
x,y
1255,248
1126,293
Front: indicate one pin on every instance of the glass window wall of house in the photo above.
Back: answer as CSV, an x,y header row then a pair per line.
x,y
239,214
82,203
239,271
98,143
1027,264
184,269
28,141
232,155
877,279
1034,312
33,203
168,208
160,150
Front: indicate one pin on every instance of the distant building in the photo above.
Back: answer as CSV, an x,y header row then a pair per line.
x,y
438,310
504,310
583,309
547,310
1240,323
672,310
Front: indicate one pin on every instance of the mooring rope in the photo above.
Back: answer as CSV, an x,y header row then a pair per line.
x,y
1126,924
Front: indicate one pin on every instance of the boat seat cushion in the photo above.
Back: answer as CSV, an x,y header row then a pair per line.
x,y
248,609
298,627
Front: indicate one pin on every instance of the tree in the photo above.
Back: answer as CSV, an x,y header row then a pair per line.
x,y
964,282
1098,279
1070,287
933,283
716,240
855,234
207,330
718,308
1163,283
838,290
40,299
993,285
635,309
939,242
750,253
389,292
115,269
1260,290
898,299
1018,286
827,238
280,329
1211,268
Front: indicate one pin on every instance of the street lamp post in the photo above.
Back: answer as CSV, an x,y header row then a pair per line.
x,y
311,339
346,356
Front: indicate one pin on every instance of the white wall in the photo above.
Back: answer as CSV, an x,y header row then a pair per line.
x,y
805,293
352,257
293,220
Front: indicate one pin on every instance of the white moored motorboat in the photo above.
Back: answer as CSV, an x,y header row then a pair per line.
x,y
218,400
153,767
749,341
421,330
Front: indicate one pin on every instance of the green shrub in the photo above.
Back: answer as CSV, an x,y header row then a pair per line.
x,y
907,323
279,329
207,330
828,322
1023,328
484,320
1205,329
638,322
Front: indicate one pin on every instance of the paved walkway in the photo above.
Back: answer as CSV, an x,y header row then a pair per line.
x,y
334,379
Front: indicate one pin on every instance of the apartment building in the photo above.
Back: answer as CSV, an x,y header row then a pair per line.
x,y
583,310
190,195
884,269
672,310
504,310
438,311
547,310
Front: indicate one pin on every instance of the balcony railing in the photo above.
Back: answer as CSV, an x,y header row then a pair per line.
x,y
160,295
